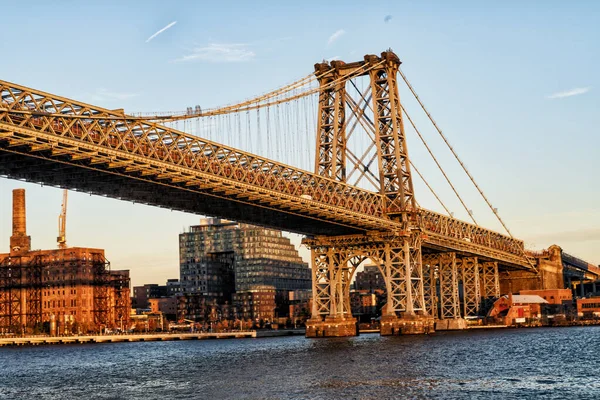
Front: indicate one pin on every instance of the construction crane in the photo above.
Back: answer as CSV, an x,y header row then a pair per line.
x,y
62,223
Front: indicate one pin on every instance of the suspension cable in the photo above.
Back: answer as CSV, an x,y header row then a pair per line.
x,y
430,188
494,210
439,166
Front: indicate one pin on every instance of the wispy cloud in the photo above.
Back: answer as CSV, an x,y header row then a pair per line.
x,y
569,93
220,52
106,95
333,58
336,35
161,31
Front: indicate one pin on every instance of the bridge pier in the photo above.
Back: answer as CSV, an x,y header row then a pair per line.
x,y
331,327
331,276
407,324
447,272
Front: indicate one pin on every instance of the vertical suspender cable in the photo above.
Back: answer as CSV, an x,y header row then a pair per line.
x,y
495,211
439,166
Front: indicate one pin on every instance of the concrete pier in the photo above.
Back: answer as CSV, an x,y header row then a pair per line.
x,y
331,327
406,325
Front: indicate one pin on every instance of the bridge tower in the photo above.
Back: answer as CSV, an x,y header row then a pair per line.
x,y
398,254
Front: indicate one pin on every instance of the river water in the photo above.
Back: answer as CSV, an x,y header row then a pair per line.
x,y
549,363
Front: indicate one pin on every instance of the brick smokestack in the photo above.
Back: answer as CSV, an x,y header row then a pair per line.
x,y
19,241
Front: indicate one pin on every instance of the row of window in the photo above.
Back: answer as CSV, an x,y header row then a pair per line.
x,y
590,305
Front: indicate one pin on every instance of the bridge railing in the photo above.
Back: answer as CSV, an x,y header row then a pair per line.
x,y
42,112
450,227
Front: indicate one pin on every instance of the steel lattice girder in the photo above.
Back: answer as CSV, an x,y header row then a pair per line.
x,y
321,282
448,278
331,135
399,260
75,134
394,166
469,267
489,284
430,277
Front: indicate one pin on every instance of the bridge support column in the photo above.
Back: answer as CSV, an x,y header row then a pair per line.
x,y
331,314
490,285
405,309
430,263
469,267
449,318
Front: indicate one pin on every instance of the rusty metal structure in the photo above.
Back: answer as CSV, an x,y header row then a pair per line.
x,y
66,143
60,286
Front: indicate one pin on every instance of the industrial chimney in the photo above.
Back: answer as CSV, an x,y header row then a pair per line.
x,y
19,241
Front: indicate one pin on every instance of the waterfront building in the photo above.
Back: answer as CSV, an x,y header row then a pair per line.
x,y
59,291
517,309
165,305
219,258
173,287
142,294
369,279
588,308
256,304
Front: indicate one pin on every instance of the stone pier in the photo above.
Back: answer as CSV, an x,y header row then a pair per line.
x,y
331,327
406,325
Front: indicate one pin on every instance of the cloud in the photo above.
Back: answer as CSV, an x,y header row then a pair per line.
x,y
387,18
569,93
337,34
224,52
161,31
333,58
106,95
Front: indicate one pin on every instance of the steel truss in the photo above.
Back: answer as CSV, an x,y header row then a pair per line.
x,y
111,145
120,285
490,284
335,260
101,281
448,275
459,277
469,267
331,132
430,278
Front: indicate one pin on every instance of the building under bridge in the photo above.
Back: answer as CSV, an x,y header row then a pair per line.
x,y
67,290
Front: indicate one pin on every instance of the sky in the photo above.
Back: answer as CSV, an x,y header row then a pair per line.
x,y
514,86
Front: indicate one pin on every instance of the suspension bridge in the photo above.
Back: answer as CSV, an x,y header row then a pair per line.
x,y
357,204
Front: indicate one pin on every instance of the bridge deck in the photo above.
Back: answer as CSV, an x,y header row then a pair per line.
x,y
57,141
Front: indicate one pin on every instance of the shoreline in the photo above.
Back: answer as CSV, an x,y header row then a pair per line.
x,y
253,334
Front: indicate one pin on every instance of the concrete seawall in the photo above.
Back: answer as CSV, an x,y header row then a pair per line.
x,y
42,340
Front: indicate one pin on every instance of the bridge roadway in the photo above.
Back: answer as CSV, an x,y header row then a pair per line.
x,y
61,142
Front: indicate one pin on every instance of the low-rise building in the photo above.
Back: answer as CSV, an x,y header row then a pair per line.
x,y
369,279
552,296
257,303
588,308
517,309
165,305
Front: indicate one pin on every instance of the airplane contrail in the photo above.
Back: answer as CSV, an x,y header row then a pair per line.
x,y
161,31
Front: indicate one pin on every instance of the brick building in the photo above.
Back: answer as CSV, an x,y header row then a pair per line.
x,y
369,279
67,290
256,304
588,308
165,305
143,294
